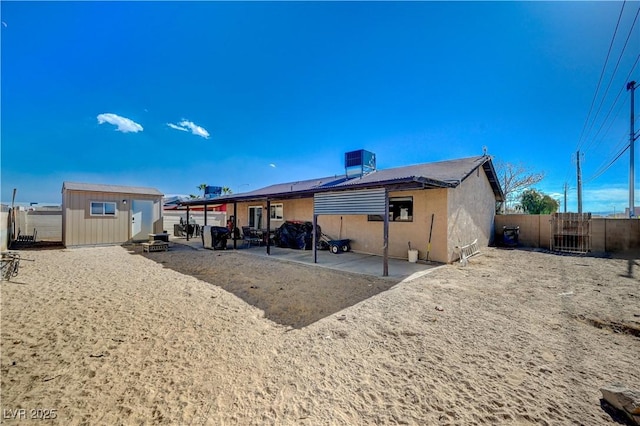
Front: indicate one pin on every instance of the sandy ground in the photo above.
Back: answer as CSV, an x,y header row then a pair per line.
x,y
109,336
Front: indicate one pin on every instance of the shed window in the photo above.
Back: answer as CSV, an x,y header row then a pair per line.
x,y
277,212
100,208
400,210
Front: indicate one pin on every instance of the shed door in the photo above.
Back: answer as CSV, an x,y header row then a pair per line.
x,y
141,219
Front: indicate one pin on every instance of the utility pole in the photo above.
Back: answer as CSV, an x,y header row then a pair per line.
x,y
579,182
632,87
565,196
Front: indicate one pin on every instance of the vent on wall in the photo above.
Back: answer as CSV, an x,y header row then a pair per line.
x,y
359,163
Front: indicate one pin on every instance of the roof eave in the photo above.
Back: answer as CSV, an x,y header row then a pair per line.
x,y
413,182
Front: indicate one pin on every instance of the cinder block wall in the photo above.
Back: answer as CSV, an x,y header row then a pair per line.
x,y
606,234
535,230
48,225
615,234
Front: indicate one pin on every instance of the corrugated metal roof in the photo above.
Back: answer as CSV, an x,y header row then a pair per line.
x,y
441,174
96,187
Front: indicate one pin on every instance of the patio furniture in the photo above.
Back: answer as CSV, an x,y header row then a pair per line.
x,y
250,236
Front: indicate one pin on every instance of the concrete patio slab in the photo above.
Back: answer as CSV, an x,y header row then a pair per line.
x,y
358,263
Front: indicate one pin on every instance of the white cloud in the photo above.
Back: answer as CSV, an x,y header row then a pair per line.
x,y
272,165
187,126
173,126
4,24
124,124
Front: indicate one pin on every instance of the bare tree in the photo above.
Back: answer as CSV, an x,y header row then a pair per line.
x,y
514,178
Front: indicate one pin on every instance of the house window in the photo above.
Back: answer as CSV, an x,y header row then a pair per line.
x,y
400,210
101,208
276,212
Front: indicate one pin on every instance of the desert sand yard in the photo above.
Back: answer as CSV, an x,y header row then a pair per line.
x,y
109,336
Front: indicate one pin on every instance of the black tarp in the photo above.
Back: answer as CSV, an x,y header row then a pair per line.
x,y
295,235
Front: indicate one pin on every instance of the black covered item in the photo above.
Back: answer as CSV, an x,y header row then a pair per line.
x,y
219,236
295,235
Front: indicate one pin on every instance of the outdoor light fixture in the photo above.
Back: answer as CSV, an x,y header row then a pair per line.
x,y
124,202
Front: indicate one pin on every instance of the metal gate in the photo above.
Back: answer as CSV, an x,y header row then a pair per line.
x,y
571,232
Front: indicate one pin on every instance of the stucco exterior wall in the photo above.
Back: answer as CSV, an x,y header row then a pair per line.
x,y
300,209
366,236
80,228
471,213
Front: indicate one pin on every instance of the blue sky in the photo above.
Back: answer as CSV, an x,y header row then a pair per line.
x,y
174,94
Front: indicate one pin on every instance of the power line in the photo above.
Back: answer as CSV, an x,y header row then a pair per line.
x,y
610,123
595,95
603,169
610,82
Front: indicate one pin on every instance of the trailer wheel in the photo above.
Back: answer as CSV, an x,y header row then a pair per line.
x,y
334,249
345,248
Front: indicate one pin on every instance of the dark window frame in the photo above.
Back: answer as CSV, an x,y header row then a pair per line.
x,y
400,210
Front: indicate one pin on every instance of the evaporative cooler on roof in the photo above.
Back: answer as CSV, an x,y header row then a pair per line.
x,y
359,163
212,191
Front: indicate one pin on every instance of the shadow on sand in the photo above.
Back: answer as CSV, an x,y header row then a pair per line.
x,y
288,293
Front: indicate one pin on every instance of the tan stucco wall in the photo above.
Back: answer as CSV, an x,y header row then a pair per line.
x,y
80,228
471,208
460,215
301,209
367,237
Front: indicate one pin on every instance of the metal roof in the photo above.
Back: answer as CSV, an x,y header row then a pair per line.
x,y
442,174
96,187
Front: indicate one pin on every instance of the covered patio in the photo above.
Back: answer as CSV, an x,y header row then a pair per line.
x,y
358,263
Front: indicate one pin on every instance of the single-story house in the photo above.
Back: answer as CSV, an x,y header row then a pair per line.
x,y
449,203
95,214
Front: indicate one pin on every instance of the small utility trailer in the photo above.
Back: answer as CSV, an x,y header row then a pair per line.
x,y
335,246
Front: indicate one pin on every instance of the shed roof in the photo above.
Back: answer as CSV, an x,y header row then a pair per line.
x,y
96,187
441,174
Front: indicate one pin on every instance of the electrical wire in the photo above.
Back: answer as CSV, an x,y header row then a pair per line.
x,y
595,95
603,169
616,116
610,82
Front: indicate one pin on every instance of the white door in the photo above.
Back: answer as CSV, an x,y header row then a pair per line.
x,y
141,219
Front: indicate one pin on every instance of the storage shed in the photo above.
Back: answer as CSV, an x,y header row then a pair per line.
x,y
96,214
